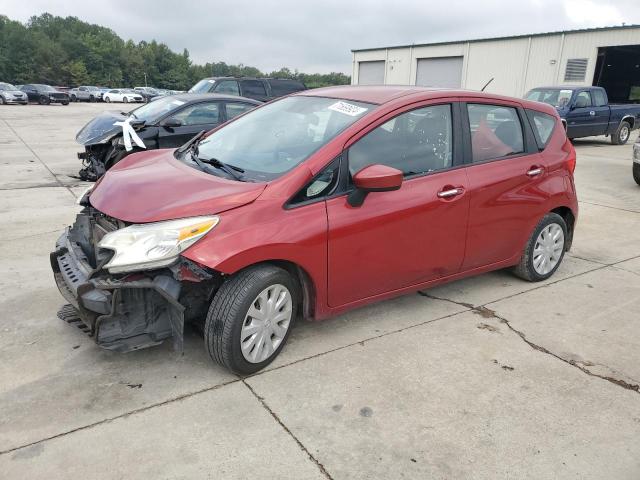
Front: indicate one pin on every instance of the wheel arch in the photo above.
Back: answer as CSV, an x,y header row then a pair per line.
x,y
569,219
308,291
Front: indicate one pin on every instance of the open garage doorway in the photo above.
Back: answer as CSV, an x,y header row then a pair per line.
x,y
618,72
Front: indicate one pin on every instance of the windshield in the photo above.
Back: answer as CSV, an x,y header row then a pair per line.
x,y
45,88
553,96
272,140
151,112
7,86
202,86
92,89
128,90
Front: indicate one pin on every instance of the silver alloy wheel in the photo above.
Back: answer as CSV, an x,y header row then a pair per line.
x,y
624,134
548,248
266,323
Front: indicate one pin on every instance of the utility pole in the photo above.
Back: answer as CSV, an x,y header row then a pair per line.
x,y
145,79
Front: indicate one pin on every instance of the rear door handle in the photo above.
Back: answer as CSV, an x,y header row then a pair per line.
x,y
534,171
450,192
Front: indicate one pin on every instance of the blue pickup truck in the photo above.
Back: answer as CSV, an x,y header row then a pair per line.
x,y
586,111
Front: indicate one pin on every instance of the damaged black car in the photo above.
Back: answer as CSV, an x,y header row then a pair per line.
x,y
165,123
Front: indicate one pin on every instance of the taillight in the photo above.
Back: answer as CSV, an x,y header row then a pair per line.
x,y
571,160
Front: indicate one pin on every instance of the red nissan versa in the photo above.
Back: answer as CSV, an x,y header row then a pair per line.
x,y
312,205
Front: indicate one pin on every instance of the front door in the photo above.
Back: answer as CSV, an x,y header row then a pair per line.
x,y
582,120
409,236
193,119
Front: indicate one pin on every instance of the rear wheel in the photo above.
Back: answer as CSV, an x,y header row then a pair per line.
x,y
2,100
125,99
250,318
92,98
74,98
622,134
107,99
65,102
544,251
636,172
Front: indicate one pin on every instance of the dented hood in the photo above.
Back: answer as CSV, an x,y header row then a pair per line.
x,y
153,186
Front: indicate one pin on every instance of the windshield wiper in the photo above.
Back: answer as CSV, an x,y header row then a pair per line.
x,y
191,143
225,167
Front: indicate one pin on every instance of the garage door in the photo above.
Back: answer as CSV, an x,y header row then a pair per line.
x,y
371,73
440,72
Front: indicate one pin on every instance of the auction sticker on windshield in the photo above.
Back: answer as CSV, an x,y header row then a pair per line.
x,y
347,109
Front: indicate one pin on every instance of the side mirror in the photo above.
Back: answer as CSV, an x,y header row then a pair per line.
x,y
172,122
374,178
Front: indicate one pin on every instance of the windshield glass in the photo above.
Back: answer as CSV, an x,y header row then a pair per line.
x,y
553,96
92,89
202,86
271,140
7,86
151,112
45,88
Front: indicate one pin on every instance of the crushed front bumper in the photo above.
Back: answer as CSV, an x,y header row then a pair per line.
x,y
124,313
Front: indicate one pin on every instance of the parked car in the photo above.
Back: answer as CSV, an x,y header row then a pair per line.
x,y
11,94
148,93
125,95
313,205
165,123
586,112
44,94
84,93
636,161
261,89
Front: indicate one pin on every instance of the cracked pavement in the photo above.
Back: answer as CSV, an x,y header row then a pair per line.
x,y
489,377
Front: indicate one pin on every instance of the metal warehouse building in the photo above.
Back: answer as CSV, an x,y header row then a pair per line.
x,y
608,57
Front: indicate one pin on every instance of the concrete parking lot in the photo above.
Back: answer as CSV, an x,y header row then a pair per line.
x,y
487,378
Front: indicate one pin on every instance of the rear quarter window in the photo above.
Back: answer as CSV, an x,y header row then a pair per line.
x,y
543,125
280,88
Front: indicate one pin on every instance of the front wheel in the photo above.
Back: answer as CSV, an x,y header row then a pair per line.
x,y
125,100
622,134
636,172
65,102
544,251
107,99
250,318
2,100
44,100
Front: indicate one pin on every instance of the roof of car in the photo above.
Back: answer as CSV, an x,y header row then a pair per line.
x,y
189,97
380,94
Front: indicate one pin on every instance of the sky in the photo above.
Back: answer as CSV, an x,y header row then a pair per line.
x,y
317,36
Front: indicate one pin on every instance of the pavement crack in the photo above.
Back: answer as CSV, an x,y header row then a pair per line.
x,y
275,416
609,206
55,177
486,312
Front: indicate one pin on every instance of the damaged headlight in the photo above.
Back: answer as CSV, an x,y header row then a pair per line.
x,y
82,199
153,245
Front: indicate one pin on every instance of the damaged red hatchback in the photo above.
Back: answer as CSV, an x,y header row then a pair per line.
x,y
312,205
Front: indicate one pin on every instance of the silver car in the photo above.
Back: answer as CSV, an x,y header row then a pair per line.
x,y
10,94
84,93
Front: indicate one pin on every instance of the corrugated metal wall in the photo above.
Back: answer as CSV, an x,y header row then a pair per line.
x,y
517,64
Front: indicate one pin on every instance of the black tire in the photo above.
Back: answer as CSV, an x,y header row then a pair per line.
x,y
636,172
525,268
622,134
65,102
73,98
107,99
2,101
92,98
44,100
125,99
228,311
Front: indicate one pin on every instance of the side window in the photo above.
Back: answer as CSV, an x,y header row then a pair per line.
x,y
583,100
114,91
199,114
496,131
322,185
599,99
229,87
253,87
235,109
543,125
279,88
419,141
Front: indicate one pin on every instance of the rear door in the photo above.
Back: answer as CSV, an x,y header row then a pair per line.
x,y
193,119
505,171
409,236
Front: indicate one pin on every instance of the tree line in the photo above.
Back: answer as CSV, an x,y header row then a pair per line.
x,y
67,51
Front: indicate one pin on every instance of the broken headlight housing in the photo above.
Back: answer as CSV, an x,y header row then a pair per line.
x,y
153,245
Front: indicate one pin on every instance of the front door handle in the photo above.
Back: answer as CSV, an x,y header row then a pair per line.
x,y
592,113
534,171
450,192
